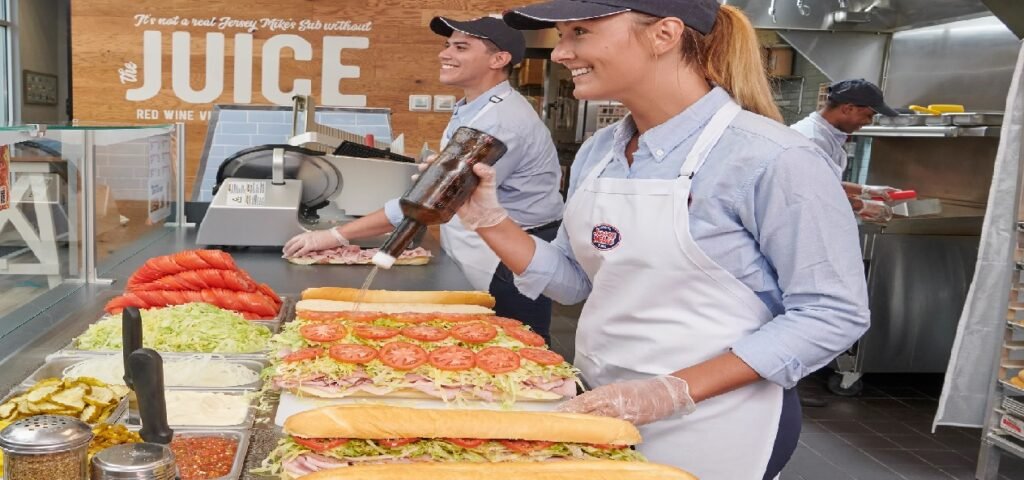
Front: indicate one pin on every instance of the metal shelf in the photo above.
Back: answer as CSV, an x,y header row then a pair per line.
x,y
1004,442
933,132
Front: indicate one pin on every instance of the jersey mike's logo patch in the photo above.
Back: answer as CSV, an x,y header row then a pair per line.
x,y
605,237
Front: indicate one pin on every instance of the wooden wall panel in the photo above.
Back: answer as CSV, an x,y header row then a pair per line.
x,y
401,58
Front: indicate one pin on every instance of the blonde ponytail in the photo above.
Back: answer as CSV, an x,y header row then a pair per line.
x,y
730,57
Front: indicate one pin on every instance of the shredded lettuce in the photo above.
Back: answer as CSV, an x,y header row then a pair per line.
x,y
192,327
438,450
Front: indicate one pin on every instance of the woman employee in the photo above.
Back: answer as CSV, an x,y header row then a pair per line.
x,y
713,245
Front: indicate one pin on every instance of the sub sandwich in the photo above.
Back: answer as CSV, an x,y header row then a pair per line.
x,y
355,435
564,470
450,356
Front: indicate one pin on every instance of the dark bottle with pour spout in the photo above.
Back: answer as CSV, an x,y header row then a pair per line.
x,y
441,189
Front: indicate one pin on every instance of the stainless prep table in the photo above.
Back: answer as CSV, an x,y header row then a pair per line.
x,y
25,348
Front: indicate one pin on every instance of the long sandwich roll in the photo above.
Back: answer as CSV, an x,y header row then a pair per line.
x,y
346,436
317,305
482,299
564,470
380,421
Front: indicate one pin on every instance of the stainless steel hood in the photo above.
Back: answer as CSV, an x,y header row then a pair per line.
x,y
1010,12
859,15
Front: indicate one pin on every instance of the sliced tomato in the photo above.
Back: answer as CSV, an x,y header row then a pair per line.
x,y
303,354
414,317
497,360
524,446
371,332
320,444
396,442
466,442
402,355
526,336
425,333
541,356
474,332
362,317
606,446
452,358
503,321
352,353
460,317
323,332
318,316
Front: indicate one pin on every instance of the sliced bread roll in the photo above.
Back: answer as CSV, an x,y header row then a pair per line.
x,y
483,299
380,421
562,470
345,306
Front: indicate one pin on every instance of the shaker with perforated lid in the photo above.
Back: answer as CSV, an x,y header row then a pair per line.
x,y
46,447
134,461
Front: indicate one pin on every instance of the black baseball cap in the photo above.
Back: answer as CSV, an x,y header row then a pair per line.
x,y
860,92
698,14
506,38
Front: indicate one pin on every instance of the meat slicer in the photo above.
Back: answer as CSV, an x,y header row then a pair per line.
x,y
322,178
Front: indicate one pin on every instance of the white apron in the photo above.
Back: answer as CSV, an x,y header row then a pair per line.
x,y
477,261
659,304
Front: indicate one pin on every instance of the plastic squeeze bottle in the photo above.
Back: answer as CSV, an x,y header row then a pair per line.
x,y
441,189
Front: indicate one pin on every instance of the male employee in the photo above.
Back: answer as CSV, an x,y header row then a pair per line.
x,y
851,106
478,56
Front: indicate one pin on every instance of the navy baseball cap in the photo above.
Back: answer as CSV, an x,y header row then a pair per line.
x,y
860,92
506,38
698,14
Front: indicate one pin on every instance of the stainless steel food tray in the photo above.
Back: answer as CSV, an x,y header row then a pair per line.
x,y
977,119
943,120
69,350
906,120
132,418
116,416
55,366
241,436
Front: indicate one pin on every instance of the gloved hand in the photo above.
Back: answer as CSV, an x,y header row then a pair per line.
x,y
636,401
874,211
314,241
871,191
482,210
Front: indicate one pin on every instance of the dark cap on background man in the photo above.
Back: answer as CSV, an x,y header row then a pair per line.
x,y
697,14
507,39
860,92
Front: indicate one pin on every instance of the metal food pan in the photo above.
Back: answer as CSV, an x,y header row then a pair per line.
x,y
938,120
241,436
132,419
116,416
911,120
977,119
55,366
70,351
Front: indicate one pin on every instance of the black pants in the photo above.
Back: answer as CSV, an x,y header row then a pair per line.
x,y
512,304
789,434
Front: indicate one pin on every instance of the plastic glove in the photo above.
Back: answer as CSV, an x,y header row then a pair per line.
x,y
482,209
874,211
314,241
872,191
636,401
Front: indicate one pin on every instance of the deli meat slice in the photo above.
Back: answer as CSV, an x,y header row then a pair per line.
x,y
355,255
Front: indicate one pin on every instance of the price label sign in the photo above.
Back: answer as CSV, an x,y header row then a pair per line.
x,y
5,177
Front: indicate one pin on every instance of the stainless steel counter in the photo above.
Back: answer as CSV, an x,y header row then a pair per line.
x,y
25,348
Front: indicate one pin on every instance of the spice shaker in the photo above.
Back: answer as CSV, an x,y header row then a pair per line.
x,y
46,447
134,461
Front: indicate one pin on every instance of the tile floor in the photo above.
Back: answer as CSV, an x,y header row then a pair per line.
x,y
883,434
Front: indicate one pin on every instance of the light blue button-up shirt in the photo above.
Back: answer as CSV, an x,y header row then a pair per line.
x,y
528,175
827,137
767,208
